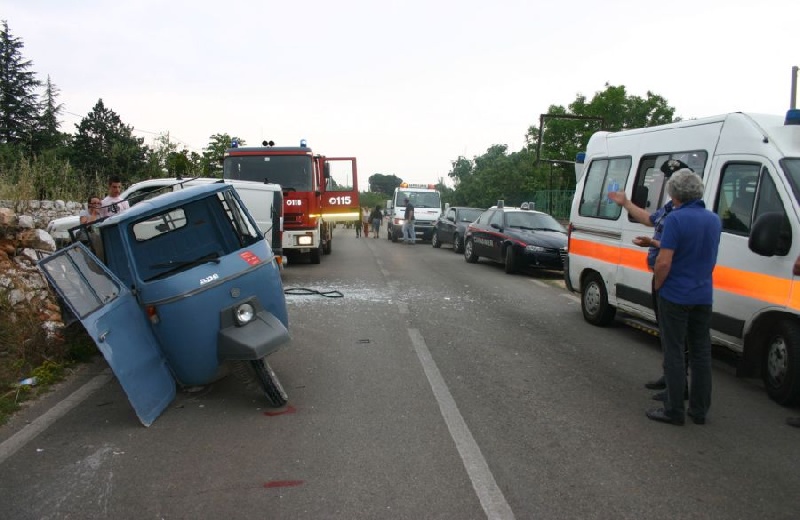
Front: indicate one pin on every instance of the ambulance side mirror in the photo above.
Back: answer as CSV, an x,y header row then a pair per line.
x,y
765,234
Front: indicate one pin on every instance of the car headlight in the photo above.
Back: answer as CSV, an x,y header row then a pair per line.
x,y
244,314
535,249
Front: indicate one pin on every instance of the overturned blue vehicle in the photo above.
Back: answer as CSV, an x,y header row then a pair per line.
x,y
173,289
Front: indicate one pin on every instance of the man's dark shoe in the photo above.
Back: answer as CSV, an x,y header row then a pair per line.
x,y
793,421
697,419
662,396
658,384
660,415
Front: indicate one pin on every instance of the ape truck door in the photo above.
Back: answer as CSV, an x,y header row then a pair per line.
x,y
116,323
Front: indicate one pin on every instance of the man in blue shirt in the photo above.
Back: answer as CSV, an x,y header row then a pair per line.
x,y
655,220
683,279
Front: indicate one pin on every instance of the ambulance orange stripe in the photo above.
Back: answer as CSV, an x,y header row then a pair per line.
x,y
630,258
767,288
758,286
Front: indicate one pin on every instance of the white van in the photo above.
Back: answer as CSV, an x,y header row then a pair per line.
x,y
427,204
750,165
263,201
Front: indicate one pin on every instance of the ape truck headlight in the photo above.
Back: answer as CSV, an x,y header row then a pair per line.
x,y
244,314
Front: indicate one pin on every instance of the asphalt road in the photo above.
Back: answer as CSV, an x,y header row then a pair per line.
x,y
432,389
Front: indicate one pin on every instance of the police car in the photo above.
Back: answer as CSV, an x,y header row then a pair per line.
x,y
517,237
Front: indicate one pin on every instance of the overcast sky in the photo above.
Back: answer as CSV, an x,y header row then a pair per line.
x,y
406,87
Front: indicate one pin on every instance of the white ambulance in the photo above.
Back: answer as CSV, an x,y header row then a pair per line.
x,y
750,165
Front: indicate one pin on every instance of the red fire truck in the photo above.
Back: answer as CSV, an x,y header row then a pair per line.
x,y
318,191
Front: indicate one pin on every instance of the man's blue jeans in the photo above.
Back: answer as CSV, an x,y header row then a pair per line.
x,y
408,232
682,325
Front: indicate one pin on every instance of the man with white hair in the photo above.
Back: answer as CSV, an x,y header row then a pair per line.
x,y
682,277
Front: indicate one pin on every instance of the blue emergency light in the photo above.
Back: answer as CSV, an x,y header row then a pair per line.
x,y
303,143
792,117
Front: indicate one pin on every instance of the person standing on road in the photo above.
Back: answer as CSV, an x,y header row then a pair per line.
x,y
656,221
409,235
365,221
113,203
683,279
358,225
376,217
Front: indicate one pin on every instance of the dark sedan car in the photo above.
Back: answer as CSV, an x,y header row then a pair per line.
x,y
516,237
452,225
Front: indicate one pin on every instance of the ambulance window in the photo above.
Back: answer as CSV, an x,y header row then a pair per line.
x,y
604,175
737,196
649,188
792,169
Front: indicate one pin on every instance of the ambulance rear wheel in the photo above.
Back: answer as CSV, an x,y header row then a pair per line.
x,y
594,301
781,368
272,388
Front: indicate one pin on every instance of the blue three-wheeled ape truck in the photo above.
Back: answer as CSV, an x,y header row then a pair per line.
x,y
172,289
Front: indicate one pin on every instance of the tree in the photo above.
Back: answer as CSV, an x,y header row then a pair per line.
x,y
47,135
104,146
214,152
18,104
380,183
518,176
179,164
564,138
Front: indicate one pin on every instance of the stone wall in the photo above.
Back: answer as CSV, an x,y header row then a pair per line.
x,y
22,243
40,212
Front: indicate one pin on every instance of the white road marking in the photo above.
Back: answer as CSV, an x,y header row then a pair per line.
x,y
41,423
572,297
489,494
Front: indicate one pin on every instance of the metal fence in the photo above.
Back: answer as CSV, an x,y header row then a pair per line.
x,y
555,202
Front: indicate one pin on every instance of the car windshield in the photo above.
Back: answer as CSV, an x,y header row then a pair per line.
x,y
293,172
792,169
419,199
469,215
532,221
195,233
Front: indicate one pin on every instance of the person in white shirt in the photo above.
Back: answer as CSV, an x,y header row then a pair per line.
x,y
113,203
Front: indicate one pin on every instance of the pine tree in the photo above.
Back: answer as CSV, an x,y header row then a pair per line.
x,y
19,109
105,146
47,135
